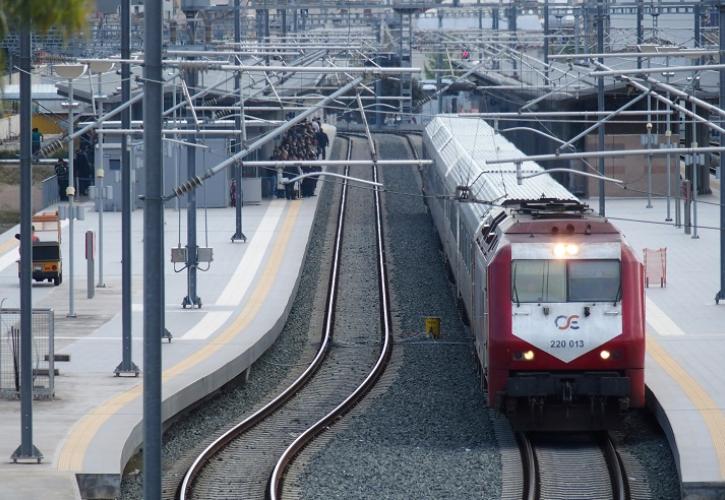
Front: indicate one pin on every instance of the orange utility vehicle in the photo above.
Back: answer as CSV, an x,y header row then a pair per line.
x,y
47,262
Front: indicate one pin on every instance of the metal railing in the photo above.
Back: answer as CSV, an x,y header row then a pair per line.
x,y
51,195
43,353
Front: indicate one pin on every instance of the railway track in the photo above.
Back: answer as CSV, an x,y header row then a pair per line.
x,y
563,466
250,459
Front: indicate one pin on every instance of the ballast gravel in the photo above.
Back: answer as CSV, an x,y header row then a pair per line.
x,y
429,435
642,438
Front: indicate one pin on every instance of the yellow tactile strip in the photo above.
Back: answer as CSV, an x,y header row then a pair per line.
x,y
72,455
711,413
8,245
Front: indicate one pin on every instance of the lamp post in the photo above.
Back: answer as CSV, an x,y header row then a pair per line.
x,y
70,72
100,67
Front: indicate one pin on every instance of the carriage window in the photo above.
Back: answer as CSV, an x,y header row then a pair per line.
x,y
594,281
538,281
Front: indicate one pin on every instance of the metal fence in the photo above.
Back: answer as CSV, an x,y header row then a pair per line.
x,y
50,191
43,353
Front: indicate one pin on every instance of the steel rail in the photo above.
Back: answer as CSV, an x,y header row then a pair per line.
x,y
616,468
533,487
274,491
528,464
185,489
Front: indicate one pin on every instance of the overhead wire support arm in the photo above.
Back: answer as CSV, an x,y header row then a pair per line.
x,y
601,122
331,174
609,154
468,73
643,71
274,90
371,143
189,102
684,95
538,132
105,117
332,63
199,94
224,65
335,163
520,176
643,55
666,101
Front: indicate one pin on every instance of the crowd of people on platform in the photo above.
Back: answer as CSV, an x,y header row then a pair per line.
x,y
305,141
83,169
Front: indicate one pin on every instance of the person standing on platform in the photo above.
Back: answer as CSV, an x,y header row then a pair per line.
x,y
61,175
308,188
37,140
34,238
85,172
233,193
290,173
322,142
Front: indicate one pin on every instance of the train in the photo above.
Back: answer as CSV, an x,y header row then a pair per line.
x,y
552,292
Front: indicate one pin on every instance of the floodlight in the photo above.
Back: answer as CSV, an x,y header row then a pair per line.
x,y
70,71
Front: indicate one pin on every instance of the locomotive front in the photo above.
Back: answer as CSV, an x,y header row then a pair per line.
x,y
566,345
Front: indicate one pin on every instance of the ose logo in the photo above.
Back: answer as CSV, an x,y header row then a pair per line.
x,y
567,322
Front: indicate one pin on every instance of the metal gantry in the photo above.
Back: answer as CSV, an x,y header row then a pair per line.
x,y
256,83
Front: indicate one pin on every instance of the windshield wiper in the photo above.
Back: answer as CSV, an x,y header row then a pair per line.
x,y
619,294
516,292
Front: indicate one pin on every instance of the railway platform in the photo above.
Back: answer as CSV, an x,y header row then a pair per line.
x,y
685,351
93,426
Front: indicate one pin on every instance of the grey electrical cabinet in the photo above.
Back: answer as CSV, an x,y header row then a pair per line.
x,y
195,4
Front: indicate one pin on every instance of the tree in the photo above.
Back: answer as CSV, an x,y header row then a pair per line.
x,y
68,16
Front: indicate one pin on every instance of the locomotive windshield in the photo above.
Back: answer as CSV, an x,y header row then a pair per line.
x,y
541,280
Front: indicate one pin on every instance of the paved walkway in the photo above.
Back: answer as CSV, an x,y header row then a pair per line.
x,y
93,425
685,367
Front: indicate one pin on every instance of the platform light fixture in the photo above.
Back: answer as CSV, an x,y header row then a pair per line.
x,y
98,68
70,72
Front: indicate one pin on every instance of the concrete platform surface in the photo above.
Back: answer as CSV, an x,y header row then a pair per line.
x,y
92,427
685,368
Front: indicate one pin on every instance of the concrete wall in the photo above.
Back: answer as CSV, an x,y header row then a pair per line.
x,y
9,127
10,197
633,169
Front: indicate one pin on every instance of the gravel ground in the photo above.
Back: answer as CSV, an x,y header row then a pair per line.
x,y
642,439
429,435
194,430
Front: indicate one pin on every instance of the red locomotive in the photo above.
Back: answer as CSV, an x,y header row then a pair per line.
x,y
554,294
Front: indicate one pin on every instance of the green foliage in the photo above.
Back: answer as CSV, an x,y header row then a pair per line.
x,y
431,64
10,174
68,16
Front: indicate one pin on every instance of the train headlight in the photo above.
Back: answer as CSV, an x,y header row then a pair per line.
x,y
562,250
529,355
604,354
